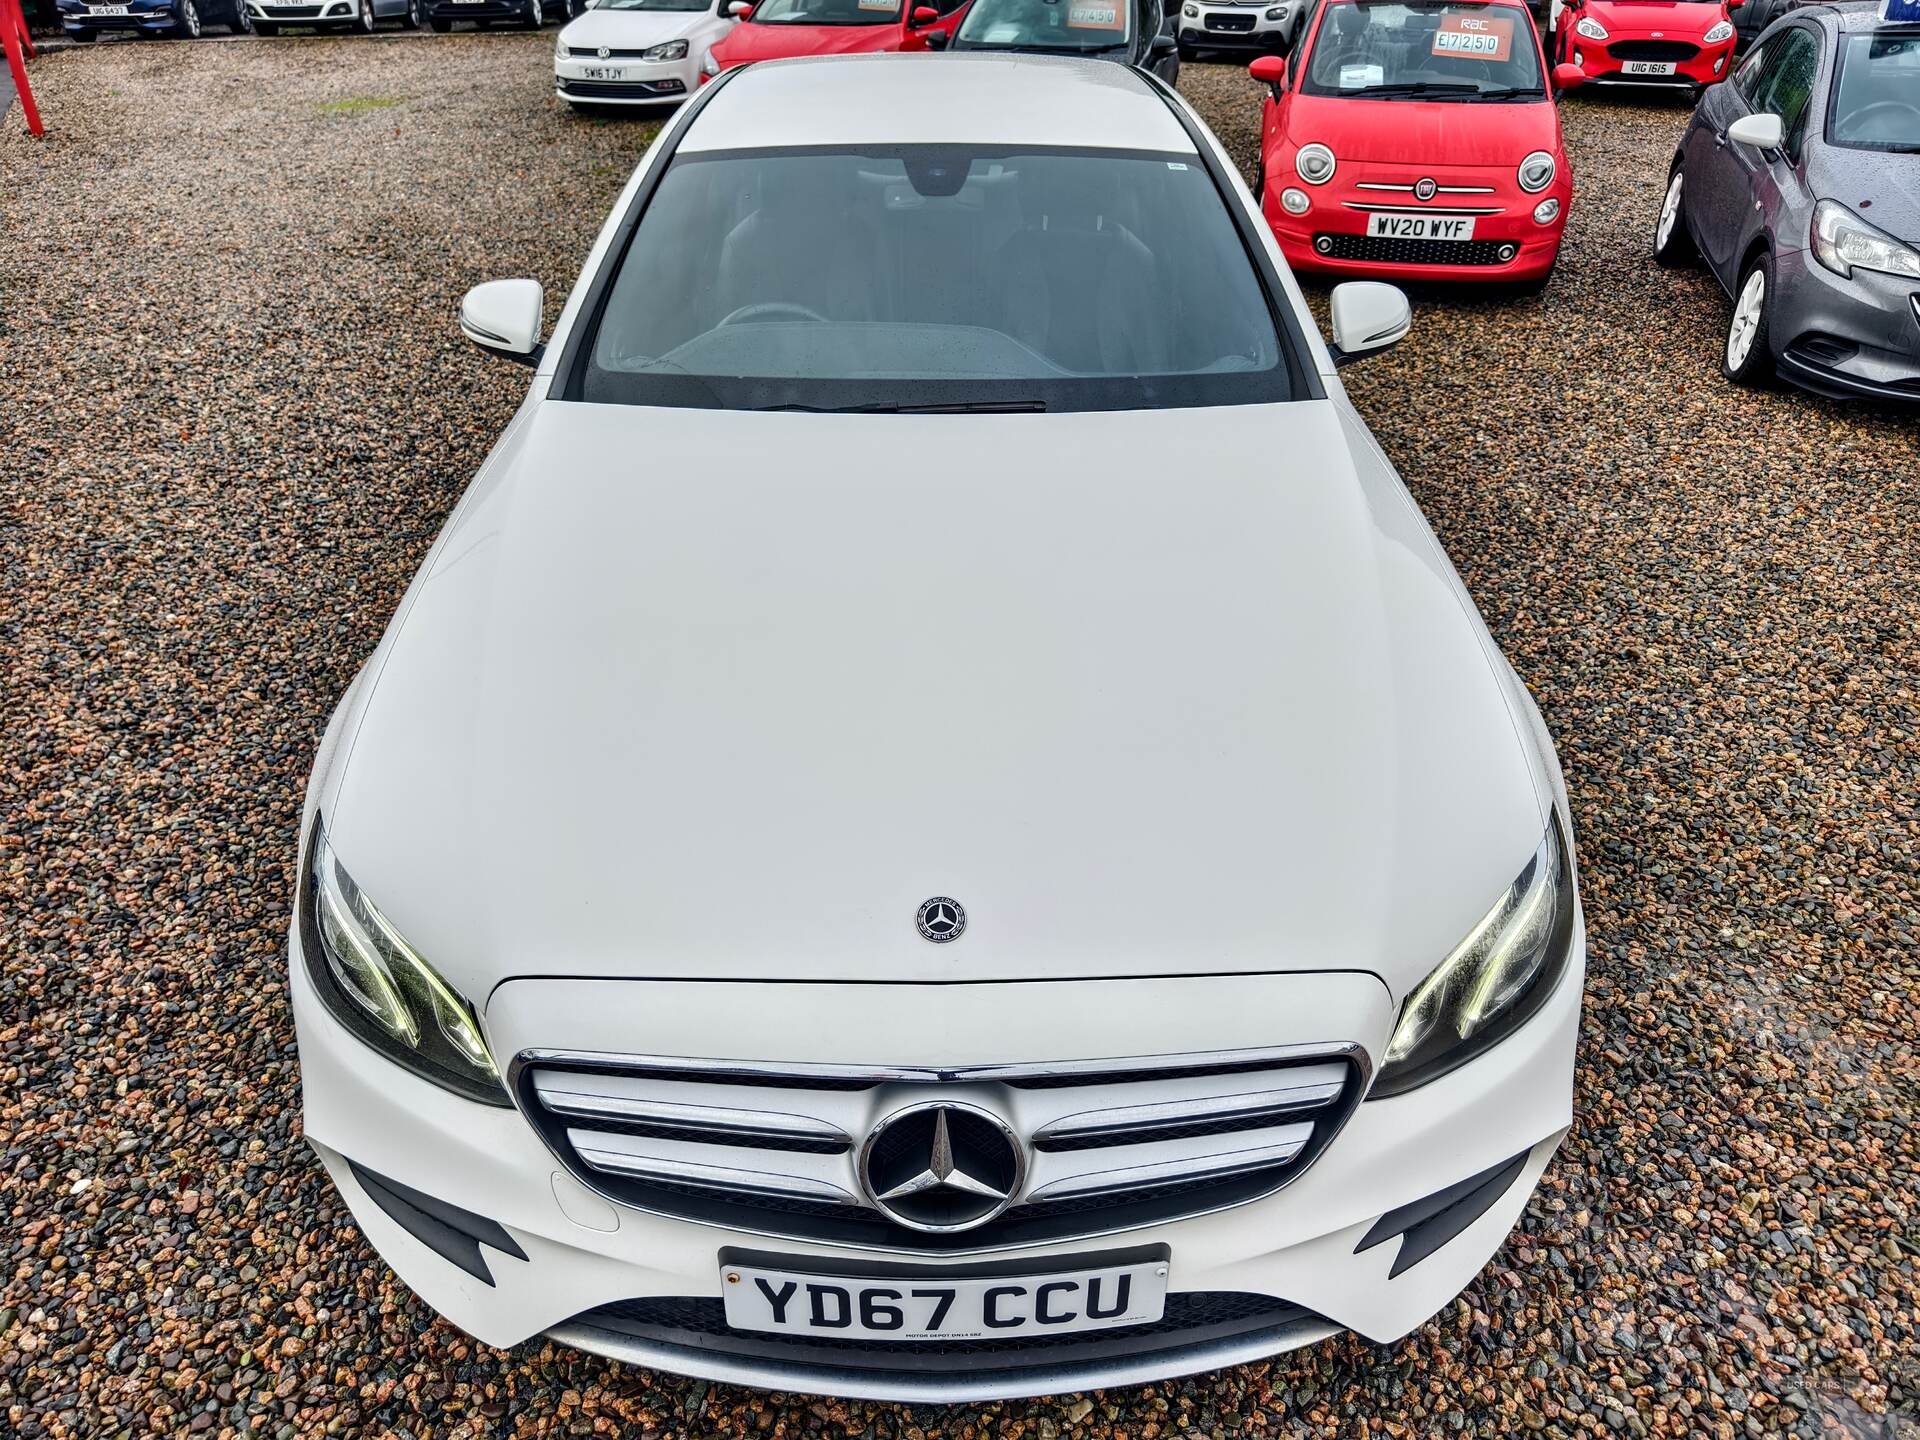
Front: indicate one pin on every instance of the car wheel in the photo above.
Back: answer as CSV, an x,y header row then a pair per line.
x,y
534,18
186,19
242,22
411,20
363,21
1672,241
1747,359
1184,51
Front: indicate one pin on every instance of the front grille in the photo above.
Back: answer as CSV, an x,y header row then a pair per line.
x,y
592,52
776,1151
294,12
620,89
698,1324
1383,250
1674,50
1237,24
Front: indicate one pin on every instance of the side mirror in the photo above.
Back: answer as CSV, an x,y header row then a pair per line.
x,y
502,317
924,15
1735,4
1568,77
1762,132
1367,316
937,40
1163,45
1271,71
740,9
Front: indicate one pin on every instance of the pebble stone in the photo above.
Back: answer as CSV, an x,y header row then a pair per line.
x,y
234,410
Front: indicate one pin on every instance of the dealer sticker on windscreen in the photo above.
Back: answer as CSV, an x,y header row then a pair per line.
x,y
923,1306
1095,15
1476,36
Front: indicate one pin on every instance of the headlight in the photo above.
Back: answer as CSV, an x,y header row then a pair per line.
x,y
1592,29
1723,30
1278,12
672,50
1843,242
1314,164
377,985
1536,172
1294,202
1192,12
559,47
1494,980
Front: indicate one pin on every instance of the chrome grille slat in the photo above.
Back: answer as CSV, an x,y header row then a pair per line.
x,y
776,1149
1054,1180
1142,1123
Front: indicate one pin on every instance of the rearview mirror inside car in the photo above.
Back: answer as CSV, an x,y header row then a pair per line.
x,y
1567,77
1270,70
1762,132
503,318
1367,317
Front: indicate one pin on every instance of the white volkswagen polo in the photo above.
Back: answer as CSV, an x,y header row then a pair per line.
x,y
637,52
936,825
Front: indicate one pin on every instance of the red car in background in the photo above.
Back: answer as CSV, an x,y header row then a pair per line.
x,y
1416,140
1647,42
781,29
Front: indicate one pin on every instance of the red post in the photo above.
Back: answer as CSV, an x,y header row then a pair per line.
x,y
13,35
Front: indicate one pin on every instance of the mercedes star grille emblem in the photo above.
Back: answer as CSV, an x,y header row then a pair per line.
x,y
942,1166
1424,188
942,919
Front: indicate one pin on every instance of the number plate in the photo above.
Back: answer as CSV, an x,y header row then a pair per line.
x,y
927,1308
602,72
1646,67
106,10
1421,227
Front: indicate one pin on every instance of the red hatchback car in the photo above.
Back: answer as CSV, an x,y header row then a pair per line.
x,y
1416,140
1647,42
780,29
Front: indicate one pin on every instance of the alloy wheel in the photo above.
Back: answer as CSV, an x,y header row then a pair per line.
x,y
189,19
1747,312
366,17
1669,212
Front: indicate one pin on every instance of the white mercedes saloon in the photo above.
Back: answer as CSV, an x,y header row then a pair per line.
x,y
936,825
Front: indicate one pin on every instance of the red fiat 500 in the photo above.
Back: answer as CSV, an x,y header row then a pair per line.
x,y
779,29
1647,42
1416,139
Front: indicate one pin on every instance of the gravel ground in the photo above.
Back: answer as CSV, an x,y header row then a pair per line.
x,y
234,412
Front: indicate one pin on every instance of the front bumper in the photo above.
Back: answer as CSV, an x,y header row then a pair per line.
x,y
1845,336
1508,245
1300,1245
1603,64
664,82
1226,27
154,21
316,12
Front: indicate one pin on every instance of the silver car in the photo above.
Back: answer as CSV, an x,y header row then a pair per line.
x,y
1798,183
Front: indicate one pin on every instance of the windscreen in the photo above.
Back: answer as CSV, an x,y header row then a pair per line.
x,y
826,12
935,276
1071,25
1389,49
1876,101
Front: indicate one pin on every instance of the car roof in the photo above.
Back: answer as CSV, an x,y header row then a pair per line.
x,y
971,98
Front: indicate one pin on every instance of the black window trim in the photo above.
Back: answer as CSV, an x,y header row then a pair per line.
x,y
569,376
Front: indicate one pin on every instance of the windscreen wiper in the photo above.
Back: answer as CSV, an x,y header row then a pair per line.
x,y
963,407
1416,87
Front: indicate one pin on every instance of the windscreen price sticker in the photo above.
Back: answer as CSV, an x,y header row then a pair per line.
x,y
1084,16
885,7
1478,37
